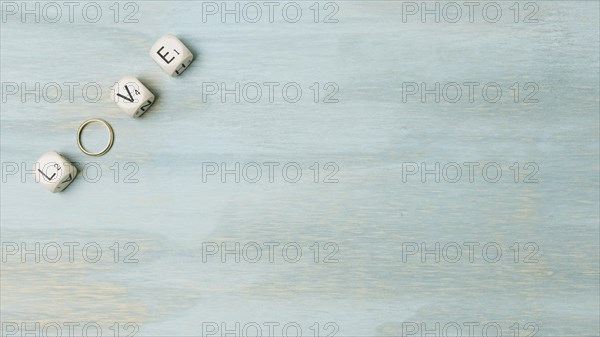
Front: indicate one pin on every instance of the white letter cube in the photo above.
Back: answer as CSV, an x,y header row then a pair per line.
x,y
132,96
171,55
54,172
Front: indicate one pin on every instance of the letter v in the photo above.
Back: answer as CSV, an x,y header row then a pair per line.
x,y
130,98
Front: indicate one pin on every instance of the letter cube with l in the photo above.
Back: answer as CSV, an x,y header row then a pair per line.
x,y
54,172
132,96
171,55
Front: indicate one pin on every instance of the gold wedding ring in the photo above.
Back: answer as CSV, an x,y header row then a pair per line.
x,y
111,137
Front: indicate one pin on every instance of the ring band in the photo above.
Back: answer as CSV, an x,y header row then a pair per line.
x,y
111,137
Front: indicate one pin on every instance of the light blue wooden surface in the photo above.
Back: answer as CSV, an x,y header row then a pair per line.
x,y
369,213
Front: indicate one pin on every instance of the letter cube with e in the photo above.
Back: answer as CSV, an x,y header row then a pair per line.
x,y
171,55
54,171
132,96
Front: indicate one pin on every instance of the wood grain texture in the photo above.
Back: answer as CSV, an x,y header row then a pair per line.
x,y
369,133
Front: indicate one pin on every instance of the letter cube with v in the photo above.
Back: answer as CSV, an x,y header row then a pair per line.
x,y
171,55
54,172
132,96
